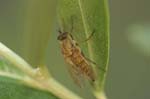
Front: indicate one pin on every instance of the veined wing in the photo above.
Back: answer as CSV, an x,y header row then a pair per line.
x,y
76,74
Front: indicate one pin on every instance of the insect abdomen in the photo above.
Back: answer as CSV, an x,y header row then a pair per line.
x,y
85,68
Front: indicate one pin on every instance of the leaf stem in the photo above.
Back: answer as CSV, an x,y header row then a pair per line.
x,y
15,60
100,95
60,90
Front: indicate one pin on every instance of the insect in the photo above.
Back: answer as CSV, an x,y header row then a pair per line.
x,y
79,65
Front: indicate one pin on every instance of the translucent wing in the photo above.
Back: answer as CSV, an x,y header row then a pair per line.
x,y
76,75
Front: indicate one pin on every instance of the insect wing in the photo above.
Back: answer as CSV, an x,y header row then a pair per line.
x,y
76,75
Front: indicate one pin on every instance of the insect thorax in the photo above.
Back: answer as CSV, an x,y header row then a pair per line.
x,y
66,47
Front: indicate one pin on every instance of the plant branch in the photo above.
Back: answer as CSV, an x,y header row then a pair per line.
x,y
16,60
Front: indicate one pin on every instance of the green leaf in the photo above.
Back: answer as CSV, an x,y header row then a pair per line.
x,y
39,22
13,89
7,69
86,16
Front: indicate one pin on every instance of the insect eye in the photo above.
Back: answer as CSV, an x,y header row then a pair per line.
x,y
62,36
76,44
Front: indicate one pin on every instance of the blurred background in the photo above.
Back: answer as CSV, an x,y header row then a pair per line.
x,y
129,67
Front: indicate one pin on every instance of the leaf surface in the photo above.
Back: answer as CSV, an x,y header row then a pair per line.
x,y
14,89
81,18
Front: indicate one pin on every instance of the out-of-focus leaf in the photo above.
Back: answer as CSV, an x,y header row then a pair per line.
x,y
13,89
139,36
7,70
39,24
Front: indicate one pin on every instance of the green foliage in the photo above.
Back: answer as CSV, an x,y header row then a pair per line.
x,y
39,22
18,78
12,89
13,82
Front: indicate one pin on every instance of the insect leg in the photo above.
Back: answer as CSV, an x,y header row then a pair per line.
x,y
94,63
89,37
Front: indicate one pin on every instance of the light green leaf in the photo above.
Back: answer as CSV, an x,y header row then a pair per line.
x,y
86,16
13,89
39,22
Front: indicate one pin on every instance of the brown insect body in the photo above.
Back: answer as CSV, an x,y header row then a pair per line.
x,y
74,56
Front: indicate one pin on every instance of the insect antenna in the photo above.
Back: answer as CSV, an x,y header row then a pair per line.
x,y
72,24
62,26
